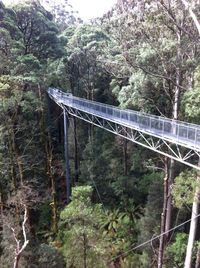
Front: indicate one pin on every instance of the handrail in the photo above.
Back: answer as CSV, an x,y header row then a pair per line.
x,y
179,131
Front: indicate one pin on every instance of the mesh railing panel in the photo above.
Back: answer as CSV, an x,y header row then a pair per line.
x,y
178,131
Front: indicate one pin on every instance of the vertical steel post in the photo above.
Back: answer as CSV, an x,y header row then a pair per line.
x,y
66,125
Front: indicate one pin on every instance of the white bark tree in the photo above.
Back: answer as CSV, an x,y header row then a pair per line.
x,y
193,225
20,247
190,7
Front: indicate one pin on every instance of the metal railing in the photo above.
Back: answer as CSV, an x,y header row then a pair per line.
x,y
177,131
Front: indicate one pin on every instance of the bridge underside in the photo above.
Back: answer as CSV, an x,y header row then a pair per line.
x,y
175,151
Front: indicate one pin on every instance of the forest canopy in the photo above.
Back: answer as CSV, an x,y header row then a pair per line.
x,y
141,55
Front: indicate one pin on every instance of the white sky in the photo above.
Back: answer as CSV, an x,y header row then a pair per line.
x,y
87,9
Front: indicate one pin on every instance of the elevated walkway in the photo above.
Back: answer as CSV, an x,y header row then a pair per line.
x,y
176,139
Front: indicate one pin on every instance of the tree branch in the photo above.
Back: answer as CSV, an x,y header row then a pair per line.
x,y
173,19
192,14
18,250
153,74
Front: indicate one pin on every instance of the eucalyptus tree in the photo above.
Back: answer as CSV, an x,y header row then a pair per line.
x,y
83,48
39,33
80,234
28,42
190,107
86,75
152,58
63,13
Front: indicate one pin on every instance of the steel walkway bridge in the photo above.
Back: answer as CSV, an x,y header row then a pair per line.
x,y
175,139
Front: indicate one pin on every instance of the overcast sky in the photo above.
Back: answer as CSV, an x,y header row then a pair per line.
x,y
87,9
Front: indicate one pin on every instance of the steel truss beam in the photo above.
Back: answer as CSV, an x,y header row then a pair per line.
x,y
175,151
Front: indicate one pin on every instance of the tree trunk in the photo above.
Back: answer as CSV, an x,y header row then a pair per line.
x,y
76,164
163,217
85,251
197,265
167,205
1,204
176,105
125,157
84,247
1,213
170,180
16,159
46,140
193,225
16,262
11,157
20,248
53,187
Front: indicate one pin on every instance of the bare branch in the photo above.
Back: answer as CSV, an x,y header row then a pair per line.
x,y
24,229
18,250
173,19
192,14
167,78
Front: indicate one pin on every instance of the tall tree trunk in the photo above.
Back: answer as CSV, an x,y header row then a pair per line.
x,y
125,143
85,250
46,140
84,246
175,117
1,204
76,160
1,213
169,178
197,265
193,225
163,217
76,163
11,158
53,186
169,182
14,155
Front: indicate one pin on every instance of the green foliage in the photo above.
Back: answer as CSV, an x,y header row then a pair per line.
x,y
99,164
39,34
79,231
84,47
191,99
147,180
175,252
184,188
57,74
120,229
48,256
149,224
146,54
29,67
132,59
44,218
178,248
23,155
